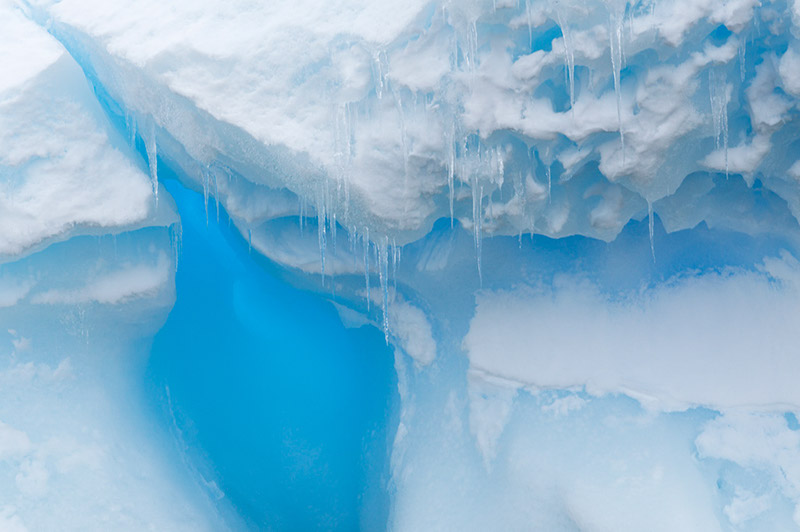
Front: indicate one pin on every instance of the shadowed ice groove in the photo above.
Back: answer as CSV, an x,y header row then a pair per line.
x,y
286,409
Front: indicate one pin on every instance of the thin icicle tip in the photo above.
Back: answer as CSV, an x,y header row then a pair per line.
x,y
383,271
152,158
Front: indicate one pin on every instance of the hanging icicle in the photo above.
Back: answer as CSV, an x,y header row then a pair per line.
x,y
718,93
152,157
615,48
365,238
382,249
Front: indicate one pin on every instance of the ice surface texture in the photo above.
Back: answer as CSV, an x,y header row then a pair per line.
x,y
513,118
575,222
86,278
555,118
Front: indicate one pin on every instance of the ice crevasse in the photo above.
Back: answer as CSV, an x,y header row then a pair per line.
x,y
576,224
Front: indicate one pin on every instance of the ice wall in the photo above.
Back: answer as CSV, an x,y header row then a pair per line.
x,y
87,265
550,208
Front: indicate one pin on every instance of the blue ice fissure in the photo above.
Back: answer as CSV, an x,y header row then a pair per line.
x,y
276,401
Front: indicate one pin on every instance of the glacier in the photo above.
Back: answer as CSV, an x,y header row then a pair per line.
x,y
421,265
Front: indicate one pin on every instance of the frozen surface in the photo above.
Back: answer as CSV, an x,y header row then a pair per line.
x,y
62,172
664,346
575,223
76,450
556,118
86,277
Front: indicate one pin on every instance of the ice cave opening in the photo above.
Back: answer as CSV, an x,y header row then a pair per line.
x,y
286,411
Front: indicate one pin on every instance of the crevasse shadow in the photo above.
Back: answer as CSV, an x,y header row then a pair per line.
x,y
272,398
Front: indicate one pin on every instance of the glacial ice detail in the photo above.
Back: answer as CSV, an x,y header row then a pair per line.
x,y
528,117
575,222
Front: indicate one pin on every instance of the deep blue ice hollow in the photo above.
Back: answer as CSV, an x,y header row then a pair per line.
x,y
280,405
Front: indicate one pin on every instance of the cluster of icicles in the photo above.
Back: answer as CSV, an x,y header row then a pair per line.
x,y
478,166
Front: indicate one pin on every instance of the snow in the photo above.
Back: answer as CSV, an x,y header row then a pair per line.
x,y
408,87
79,233
790,71
412,330
27,51
576,222
77,453
719,358
119,286
757,441
61,170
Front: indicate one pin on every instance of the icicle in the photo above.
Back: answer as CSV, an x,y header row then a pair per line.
x,y
473,38
519,187
479,233
379,82
206,190
375,254
352,237
383,272
615,48
569,59
650,229
630,29
176,241
332,219
346,218
471,51
366,262
530,23
549,181
718,92
216,192
321,233
130,123
451,169
499,165
742,57
152,158
302,214
395,256
477,216
349,112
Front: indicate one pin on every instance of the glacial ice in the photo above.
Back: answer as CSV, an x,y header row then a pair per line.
x,y
575,223
81,245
